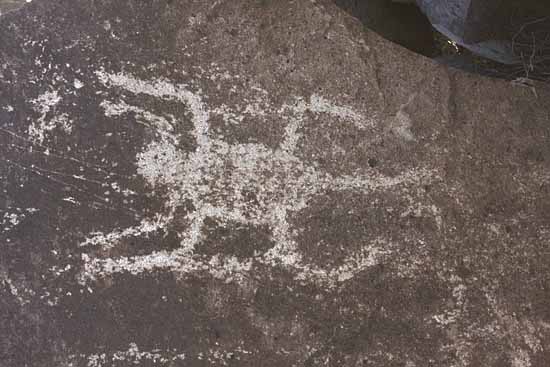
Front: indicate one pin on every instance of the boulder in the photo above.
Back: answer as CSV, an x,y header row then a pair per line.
x,y
262,183
488,28
401,22
10,5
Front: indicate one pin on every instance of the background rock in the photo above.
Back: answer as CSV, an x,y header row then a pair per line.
x,y
402,23
192,183
493,29
10,5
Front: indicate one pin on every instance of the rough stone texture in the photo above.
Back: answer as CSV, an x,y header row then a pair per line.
x,y
10,5
261,183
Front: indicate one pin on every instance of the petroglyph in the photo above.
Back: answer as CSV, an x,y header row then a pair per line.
x,y
43,105
160,357
215,175
274,186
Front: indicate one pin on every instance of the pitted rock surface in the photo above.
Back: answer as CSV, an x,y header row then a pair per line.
x,y
262,183
11,5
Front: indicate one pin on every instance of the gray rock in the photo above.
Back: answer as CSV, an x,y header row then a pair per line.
x,y
400,22
485,27
262,183
453,18
10,5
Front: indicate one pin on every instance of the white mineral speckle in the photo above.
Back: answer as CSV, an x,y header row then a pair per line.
x,y
71,200
14,217
78,84
43,105
135,355
22,294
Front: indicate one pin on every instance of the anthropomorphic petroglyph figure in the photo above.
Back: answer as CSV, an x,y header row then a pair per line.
x,y
215,177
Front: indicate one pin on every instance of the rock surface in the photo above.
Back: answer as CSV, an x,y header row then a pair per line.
x,y
465,22
10,5
262,183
